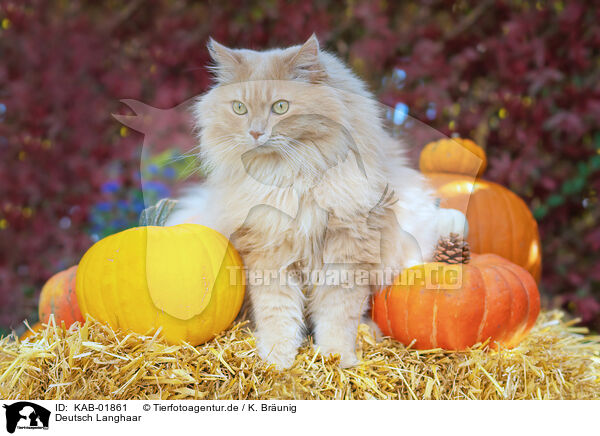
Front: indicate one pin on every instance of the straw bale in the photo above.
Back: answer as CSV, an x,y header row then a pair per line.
x,y
557,360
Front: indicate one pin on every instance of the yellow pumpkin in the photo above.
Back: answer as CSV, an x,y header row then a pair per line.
x,y
187,279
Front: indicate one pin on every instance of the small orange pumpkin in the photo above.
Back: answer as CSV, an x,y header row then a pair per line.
x,y
459,156
499,221
456,306
59,297
32,331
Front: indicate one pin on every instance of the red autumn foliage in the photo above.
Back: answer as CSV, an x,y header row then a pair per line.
x,y
519,77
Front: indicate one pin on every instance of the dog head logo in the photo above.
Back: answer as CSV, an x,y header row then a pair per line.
x,y
26,415
161,127
163,130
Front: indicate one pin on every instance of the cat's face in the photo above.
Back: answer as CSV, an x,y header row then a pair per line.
x,y
260,112
273,111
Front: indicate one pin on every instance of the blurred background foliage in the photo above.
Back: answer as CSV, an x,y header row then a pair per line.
x,y
521,78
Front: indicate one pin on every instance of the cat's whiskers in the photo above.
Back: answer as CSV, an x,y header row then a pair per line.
x,y
230,144
313,150
291,156
300,157
278,145
194,151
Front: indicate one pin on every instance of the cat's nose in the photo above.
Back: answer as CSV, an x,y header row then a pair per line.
x,y
255,134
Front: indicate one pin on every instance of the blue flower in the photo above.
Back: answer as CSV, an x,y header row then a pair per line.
x,y
431,112
159,188
97,226
399,76
153,169
104,206
111,186
400,113
119,223
169,172
138,206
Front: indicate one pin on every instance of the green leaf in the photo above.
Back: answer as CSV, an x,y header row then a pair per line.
x,y
555,200
597,140
568,187
540,212
29,291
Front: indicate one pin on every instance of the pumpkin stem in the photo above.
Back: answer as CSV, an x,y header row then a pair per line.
x,y
452,249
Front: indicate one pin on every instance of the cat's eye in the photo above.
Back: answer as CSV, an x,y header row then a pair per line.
x,y
239,108
281,106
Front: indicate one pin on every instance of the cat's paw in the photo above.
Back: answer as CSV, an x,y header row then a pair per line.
x,y
452,221
279,354
373,328
348,357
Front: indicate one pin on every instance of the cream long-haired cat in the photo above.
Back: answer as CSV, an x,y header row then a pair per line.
x,y
303,178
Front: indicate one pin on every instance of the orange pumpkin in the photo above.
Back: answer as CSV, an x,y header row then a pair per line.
x,y
30,332
456,306
456,155
499,221
59,297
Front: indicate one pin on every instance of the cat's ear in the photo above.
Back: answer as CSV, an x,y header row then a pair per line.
x,y
226,60
305,62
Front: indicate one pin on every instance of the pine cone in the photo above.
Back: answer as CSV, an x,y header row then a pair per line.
x,y
452,249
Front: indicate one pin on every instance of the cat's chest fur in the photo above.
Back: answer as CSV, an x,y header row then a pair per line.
x,y
297,240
